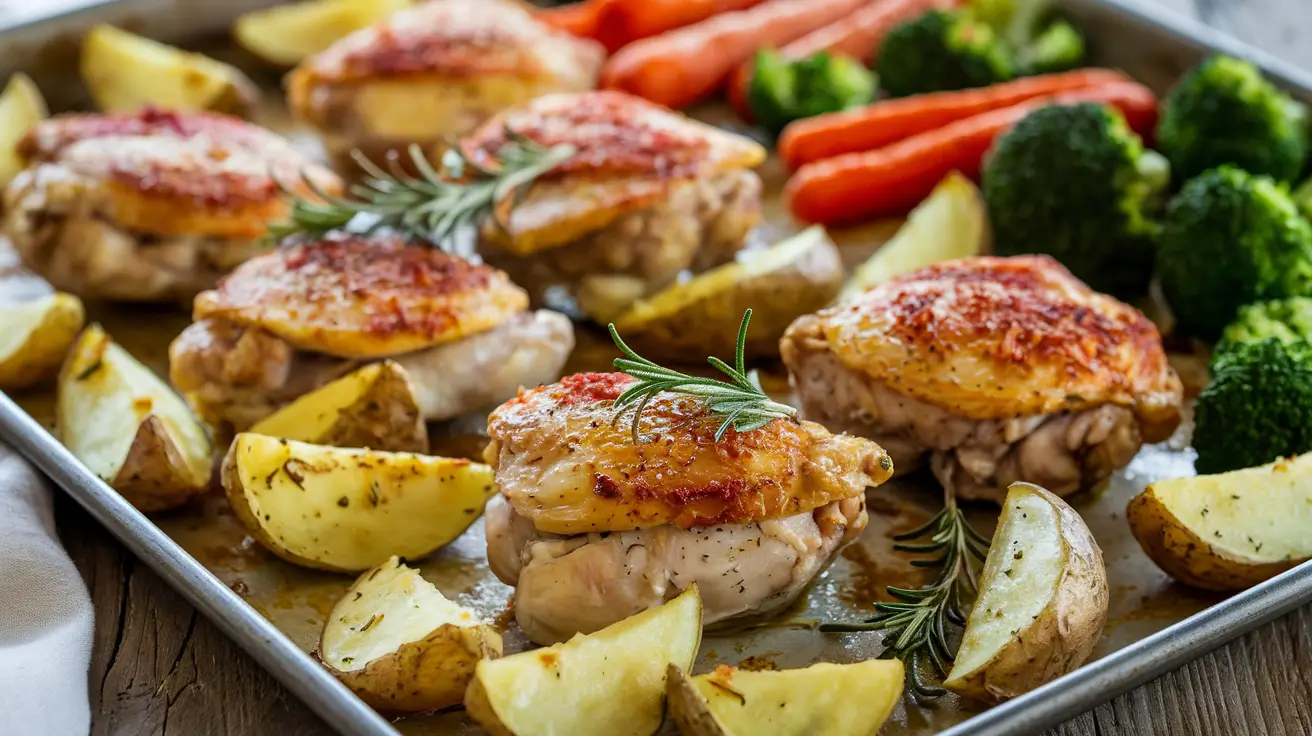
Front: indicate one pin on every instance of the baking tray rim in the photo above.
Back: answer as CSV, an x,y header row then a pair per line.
x,y
1066,697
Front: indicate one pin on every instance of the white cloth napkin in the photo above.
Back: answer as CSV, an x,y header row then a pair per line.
x,y
45,613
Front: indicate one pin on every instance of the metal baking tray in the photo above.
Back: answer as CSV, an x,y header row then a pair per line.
x,y
273,610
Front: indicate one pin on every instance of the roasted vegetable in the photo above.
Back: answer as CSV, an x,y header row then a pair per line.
x,y
34,336
1257,408
1075,182
287,34
1042,601
1231,238
942,50
1288,320
608,683
782,91
21,107
128,427
403,647
1060,47
1225,112
1228,531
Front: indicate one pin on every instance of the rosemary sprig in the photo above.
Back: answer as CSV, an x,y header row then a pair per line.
x,y
916,625
739,400
430,207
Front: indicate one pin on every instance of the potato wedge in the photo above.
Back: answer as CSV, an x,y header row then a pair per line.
x,y
373,407
128,427
34,337
400,645
348,509
821,700
287,34
951,223
608,683
1231,530
21,107
1042,601
125,72
793,277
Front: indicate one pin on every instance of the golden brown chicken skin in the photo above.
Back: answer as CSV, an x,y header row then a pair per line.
x,y
148,206
296,317
650,194
435,72
994,369
592,527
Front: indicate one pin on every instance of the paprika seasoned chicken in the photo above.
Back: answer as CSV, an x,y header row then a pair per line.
x,y
994,370
147,206
435,72
649,194
591,527
297,317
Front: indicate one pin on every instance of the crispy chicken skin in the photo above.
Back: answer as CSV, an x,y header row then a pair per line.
x,y
434,72
994,369
592,527
295,318
649,193
147,206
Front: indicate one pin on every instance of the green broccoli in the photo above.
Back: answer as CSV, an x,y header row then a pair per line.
x,y
1225,112
1303,198
942,51
1231,238
1287,320
1073,181
1040,43
1257,408
782,91
1058,48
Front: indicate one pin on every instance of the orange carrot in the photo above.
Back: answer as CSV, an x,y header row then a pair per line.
x,y
581,19
858,35
639,19
893,179
685,65
889,121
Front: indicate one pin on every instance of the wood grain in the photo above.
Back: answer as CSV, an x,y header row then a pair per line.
x,y
158,668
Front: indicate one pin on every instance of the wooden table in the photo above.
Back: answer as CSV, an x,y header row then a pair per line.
x,y
158,667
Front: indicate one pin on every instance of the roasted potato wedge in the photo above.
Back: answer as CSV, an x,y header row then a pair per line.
x,y
34,337
400,645
1042,600
128,427
21,107
793,277
286,34
951,223
348,509
372,407
1231,530
821,700
125,72
608,683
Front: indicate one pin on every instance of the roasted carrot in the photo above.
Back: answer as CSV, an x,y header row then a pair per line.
x,y
581,19
685,65
893,179
888,121
635,20
858,35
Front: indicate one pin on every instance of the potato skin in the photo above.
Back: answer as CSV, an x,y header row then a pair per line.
x,y
40,356
1066,631
479,707
152,476
1185,556
424,675
687,708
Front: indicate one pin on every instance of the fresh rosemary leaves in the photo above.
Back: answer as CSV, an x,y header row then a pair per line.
x,y
916,625
740,400
430,207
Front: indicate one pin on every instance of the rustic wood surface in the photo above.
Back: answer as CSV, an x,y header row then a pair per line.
x,y
160,668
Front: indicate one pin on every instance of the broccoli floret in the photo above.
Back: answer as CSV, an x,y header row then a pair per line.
x,y
1231,238
942,51
1303,198
1287,320
1040,43
1225,112
1257,408
1058,48
1073,181
782,91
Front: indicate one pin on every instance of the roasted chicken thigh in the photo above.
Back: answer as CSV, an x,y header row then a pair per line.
x,y
435,72
147,206
592,527
649,194
993,370
299,316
